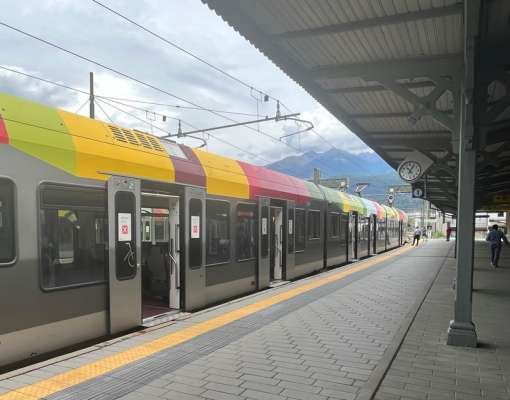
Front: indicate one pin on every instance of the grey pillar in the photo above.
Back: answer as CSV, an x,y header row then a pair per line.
x,y
462,330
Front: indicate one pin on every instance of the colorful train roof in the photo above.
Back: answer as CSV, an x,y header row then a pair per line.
x,y
95,150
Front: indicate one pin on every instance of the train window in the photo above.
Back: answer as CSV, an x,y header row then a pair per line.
x,y
314,224
381,229
246,232
334,225
344,226
74,236
161,225
218,232
101,231
7,230
300,229
125,250
290,230
264,233
146,225
195,241
155,226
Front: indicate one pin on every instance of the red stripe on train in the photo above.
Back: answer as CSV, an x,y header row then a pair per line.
x,y
4,138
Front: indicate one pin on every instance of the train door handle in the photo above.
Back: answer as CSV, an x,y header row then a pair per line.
x,y
173,262
177,238
177,251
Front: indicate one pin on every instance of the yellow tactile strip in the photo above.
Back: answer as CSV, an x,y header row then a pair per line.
x,y
65,380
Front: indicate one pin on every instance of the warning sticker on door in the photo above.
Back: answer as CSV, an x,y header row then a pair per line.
x,y
290,227
195,227
124,220
264,226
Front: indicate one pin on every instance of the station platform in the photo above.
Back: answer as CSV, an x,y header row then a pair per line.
x,y
373,329
426,368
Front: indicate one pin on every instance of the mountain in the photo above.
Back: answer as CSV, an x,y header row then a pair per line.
x,y
334,162
364,167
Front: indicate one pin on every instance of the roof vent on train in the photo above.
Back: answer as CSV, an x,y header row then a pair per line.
x,y
136,138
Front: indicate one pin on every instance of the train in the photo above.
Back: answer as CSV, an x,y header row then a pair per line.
x,y
104,227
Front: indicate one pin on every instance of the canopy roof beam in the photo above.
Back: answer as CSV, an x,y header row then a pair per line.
x,y
397,135
379,88
391,115
426,105
372,22
412,67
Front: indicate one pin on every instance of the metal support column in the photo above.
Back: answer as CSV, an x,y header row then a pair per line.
x,y
462,330
92,112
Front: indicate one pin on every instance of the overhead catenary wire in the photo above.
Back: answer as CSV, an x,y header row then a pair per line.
x,y
114,99
153,103
64,86
182,49
110,99
100,100
44,80
105,113
149,85
198,58
83,105
134,79
106,67
166,132
253,155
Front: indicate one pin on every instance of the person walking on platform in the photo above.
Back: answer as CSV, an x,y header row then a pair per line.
x,y
448,233
495,237
417,235
425,234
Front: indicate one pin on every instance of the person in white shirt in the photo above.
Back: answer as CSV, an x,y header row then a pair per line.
x,y
417,235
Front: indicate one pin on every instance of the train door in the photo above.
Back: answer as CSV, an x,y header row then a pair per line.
x,y
374,234
175,255
124,276
353,236
369,234
194,234
276,242
290,261
263,269
160,254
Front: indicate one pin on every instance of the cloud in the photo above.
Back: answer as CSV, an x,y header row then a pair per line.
x,y
91,31
41,92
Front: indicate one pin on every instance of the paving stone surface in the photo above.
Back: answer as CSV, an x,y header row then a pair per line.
x,y
426,368
323,344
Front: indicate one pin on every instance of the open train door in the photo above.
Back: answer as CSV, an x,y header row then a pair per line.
x,y
291,259
124,272
374,234
353,236
263,270
194,237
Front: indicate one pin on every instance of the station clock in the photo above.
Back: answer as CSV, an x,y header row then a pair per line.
x,y
410,170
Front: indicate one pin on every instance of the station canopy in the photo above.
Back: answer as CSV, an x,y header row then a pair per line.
x,y
392,72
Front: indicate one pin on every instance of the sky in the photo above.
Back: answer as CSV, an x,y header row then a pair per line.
x,y
91,31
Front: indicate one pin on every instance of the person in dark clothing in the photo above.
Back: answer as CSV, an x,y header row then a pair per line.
x,y
416,237
495,238
448,233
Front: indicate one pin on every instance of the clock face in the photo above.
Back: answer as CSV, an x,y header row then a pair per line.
x,y
409,171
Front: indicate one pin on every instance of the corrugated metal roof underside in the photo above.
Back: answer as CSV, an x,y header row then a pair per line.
x,y
332,48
